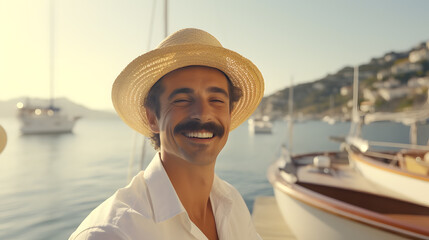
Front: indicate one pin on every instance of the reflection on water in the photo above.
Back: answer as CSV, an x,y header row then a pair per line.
x,y
49,183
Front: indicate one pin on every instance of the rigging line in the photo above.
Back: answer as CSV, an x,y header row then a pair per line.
x,y
151,25
51,52
136,134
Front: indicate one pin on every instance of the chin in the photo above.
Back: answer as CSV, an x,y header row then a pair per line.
x,y
201,158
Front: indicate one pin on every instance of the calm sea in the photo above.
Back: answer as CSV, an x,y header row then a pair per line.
x,y
49,183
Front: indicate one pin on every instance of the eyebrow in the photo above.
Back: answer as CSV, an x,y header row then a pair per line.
x,y
218,90
179,91
189,90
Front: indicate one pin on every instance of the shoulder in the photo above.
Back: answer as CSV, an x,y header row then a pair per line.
x,y
129,206
106,232
230,191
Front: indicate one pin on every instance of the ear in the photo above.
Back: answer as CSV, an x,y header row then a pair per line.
x,y
153,120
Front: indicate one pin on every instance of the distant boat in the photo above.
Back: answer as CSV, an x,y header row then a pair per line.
x,y
42,120
260,125
46,119
321,197
328,119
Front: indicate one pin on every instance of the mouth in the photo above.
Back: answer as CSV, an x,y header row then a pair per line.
x,y
199,135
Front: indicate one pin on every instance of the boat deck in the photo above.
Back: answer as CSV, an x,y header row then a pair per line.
x,y
268,220
342,175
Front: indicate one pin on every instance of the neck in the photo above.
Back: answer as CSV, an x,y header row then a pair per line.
x,y
191,182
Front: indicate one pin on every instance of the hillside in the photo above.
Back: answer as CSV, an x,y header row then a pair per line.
x,y
396,81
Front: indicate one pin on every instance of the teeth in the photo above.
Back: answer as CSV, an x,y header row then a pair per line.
x,y
199,134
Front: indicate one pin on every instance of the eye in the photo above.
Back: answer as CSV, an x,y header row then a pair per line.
x,y
182,101
217,100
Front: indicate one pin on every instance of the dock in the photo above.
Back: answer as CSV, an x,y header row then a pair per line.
x,y
268,220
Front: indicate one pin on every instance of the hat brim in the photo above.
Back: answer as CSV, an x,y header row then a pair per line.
x,y
3,139
134,82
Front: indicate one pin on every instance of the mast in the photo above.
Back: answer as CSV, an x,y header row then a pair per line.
x,y
355,121
166,19
51,52
290,124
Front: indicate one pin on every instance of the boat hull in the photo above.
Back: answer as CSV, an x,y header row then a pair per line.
x,y
47,125
309,222
319,205
411,187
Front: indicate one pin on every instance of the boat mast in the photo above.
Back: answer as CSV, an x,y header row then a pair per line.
x,y
51,51
355,124
166,19
290,124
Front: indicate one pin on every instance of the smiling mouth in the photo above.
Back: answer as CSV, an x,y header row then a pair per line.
x,y
199,135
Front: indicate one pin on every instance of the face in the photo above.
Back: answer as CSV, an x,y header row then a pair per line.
x,y
195,117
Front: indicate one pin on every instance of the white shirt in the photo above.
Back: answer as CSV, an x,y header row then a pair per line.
x,y
149,208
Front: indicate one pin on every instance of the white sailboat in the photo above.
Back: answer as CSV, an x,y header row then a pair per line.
x,y
322,196
45,119
404,171
260,125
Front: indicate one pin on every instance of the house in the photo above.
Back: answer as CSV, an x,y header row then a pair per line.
x,y
389,83
366,74
419,55
383,74
346,90
416,82
367,106
406,67
369,95
389,57
392,93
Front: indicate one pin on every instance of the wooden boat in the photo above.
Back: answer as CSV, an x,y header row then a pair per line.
x,y
322,197
405,172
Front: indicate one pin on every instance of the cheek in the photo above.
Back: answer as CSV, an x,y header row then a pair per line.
x,y
169,119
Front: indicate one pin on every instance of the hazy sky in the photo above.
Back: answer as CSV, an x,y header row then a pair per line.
x,y
96,39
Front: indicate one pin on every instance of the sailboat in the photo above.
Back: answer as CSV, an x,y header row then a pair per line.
x,y
404,171
45,119
322,196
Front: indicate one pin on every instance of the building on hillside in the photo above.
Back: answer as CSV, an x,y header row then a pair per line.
x,y
382,74
392,93
416,82
389,83
389,57
419,55
366,74
406,67
367,106
346,90
369,95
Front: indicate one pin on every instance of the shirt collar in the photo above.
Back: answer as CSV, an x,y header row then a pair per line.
x,y
165,202
221,197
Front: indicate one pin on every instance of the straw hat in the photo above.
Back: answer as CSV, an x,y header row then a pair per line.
x,y
183,48
3,139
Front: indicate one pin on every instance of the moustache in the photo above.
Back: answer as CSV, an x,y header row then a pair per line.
x,y
193,125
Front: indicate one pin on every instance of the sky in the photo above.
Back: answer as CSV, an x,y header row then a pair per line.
x,y
95,39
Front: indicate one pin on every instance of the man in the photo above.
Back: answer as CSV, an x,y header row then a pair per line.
x,y
186,95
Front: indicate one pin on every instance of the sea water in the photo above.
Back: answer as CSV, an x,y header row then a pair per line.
x,y
50,183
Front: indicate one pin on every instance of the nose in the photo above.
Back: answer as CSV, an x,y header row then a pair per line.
x,y
200,111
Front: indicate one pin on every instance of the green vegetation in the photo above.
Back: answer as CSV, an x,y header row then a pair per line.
x,y
405,103
314,98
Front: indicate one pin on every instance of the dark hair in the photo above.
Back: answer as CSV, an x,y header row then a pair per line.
x,y
152,103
